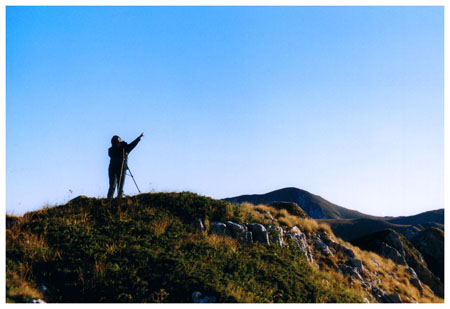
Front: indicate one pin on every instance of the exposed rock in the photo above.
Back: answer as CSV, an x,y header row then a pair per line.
x,y
414,279
300,240
321,246
382,297
396,247
276,235
37,301
197,297
356,264
392,253
235,228
219,228
265,213
375,262
351,271
337,247
424,274
259,233
393,298
294,230
393,239
199,225
344,261
246,238
430,243
240,232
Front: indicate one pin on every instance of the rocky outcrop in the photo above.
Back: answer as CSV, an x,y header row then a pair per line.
x,y
430,243
199,225
240,232
396,247
259,233
322,246
276,235
219,228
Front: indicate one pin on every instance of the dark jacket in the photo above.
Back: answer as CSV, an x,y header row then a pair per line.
x,y
117,153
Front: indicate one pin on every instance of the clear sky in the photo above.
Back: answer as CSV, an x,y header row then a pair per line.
x,y
344,102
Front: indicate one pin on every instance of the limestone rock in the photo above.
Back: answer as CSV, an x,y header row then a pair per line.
x,y
276,235
259,233
199,225
219,228
235,228
240,232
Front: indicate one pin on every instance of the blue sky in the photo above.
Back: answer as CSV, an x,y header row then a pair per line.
x,y
345,102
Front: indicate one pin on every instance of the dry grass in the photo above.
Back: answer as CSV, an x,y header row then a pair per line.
x,y
217,241
159,227
240,294
19,288
392,277
284,219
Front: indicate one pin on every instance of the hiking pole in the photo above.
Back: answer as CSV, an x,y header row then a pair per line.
x,y
133,179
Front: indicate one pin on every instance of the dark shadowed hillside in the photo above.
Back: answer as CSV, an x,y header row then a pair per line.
x,y
396,247
433,216
349,229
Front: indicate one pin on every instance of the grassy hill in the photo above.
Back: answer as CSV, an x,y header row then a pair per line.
x,y
145,248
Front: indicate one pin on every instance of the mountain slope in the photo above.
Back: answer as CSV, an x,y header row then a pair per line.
x,y
395,246
164,247
147,249
315,206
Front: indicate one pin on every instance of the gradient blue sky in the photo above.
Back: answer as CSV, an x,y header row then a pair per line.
x,y
345,102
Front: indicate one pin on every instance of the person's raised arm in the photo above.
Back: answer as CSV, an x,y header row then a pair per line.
x,y
134,143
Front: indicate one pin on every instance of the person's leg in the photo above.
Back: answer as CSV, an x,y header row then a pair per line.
x,y
112,183
121,183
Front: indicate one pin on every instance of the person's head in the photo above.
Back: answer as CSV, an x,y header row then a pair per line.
x,y
115,140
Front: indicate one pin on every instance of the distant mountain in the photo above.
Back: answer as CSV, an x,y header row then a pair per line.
x,y
409,226
435,216
315,206
350,229
346,223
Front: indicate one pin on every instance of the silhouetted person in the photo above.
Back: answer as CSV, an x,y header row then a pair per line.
x,y
118,153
